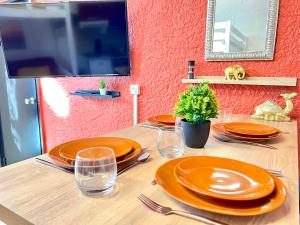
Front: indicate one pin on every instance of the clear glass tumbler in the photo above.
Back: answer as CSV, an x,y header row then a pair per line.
x,y
178,122
225,115
96,171
170,142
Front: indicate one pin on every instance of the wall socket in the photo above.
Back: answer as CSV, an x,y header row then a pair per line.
x,y
134,89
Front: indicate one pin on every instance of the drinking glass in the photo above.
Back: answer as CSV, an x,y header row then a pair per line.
x,y
178,122
96,171
225,115
170,142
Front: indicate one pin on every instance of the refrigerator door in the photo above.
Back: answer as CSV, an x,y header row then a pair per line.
x,y
19,116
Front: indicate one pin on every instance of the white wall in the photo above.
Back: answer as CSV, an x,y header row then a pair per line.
x,y
249,16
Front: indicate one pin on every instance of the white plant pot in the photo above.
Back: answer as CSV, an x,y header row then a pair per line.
x,y
102,91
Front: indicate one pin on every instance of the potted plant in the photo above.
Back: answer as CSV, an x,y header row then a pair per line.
x,y
102,87
196,105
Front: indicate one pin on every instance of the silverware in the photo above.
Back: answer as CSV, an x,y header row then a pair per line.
x,y
45,162
231,140
164,127
167,211
142,158
277,173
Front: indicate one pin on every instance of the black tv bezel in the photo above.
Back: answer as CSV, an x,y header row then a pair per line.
x,y
74,75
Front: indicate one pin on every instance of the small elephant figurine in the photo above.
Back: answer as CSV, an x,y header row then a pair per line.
x,y
235,72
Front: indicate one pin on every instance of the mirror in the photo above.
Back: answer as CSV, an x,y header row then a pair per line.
x,y
241,30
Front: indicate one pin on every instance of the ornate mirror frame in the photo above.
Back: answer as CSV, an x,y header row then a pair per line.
x,y
267,54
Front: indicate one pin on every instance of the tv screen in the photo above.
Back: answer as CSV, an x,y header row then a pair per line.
x,y
65,39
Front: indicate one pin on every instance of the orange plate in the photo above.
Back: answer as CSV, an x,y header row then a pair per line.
x,y
219,128
250,129
120,146
55,156
165,119
224,178
166,179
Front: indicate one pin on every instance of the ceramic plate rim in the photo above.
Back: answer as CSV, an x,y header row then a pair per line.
x,y
228,127
222,196
280,196
221,130
71,158
153,119
137,149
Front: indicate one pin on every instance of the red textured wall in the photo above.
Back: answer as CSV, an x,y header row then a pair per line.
x,y
165,34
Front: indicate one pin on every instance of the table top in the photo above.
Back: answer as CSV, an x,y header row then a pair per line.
x,y
45,195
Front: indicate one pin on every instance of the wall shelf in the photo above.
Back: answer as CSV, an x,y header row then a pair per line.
x,y
268,81
96,93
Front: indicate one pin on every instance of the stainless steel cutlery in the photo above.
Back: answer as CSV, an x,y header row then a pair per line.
x,y
231,140
142,158
168,211
157,126
48,163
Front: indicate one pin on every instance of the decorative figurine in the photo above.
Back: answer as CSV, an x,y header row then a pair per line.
x,y
235,72
271,111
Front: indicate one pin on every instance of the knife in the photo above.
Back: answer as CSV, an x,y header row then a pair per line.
x,y
45,162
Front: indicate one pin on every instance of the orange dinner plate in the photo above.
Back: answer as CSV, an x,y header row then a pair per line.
x,y
224,178
219,128
120,146
250,129
165,177
165,119
59,160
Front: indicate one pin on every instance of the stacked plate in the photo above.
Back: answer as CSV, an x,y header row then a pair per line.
x,y
246,131
221,185
165,119
125,150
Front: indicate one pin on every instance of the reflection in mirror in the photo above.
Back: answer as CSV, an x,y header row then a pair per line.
x,y
235,30
241,29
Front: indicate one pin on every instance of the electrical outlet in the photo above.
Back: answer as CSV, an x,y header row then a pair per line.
x,y
134,89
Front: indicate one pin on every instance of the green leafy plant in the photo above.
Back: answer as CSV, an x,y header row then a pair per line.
x,y
102,84
197,104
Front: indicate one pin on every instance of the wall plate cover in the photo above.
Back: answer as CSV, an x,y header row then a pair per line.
x,y
134,89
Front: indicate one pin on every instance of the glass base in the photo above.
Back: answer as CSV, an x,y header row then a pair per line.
x,y
171,152
97,193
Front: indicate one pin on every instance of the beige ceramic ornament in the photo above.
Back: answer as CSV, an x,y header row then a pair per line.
x,y
271,111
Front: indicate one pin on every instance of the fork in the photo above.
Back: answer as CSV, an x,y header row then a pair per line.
x,y
167,211
230,140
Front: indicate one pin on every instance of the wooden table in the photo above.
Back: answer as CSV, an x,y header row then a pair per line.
x,y
44,195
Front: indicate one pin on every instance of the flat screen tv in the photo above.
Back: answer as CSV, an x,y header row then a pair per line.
x,y
65,39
